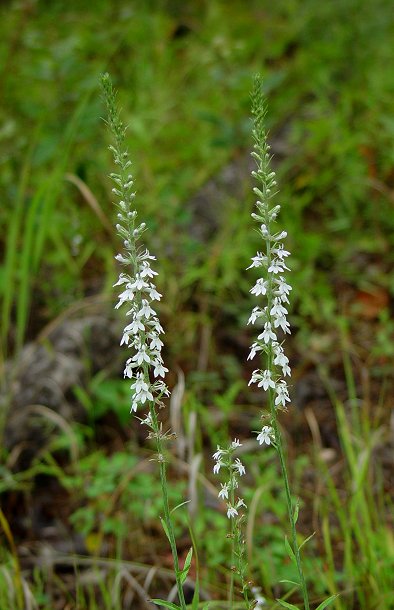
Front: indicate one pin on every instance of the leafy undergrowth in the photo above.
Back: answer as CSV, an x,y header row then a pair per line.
x,y
81,519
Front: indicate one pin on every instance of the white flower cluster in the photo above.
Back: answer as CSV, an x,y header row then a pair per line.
x,y
272,284
145,366
142,335
224,459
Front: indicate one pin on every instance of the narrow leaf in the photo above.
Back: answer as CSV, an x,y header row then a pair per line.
x,y
290,582
183,573
327,602
196,596
306,540
289,550
161,602
165,528
287,605
179,506
296,511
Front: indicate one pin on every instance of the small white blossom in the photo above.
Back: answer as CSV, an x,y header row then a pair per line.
x,y
217,467
146,271
159,370
153,294
219,453
281,252
240,504
277,266
146,311
282,394
257,312
265,435
231,511
266,381
258,260
223,493
235,443
261,601
260,287
253,350
267,335
239,466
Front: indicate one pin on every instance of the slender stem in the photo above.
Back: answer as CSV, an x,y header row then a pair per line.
x,y
166,506
279,445
290,510
232,534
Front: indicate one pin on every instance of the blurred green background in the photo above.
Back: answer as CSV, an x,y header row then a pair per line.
x,y
80,499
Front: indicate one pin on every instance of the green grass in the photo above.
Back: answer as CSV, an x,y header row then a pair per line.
x,y
184,71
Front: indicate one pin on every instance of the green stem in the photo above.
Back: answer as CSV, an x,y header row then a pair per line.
x,y
290,510
279,446
232,534
166,506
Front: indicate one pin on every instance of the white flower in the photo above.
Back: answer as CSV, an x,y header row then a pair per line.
x,y
261,601
283,323
258,260
141,356
123,279
219,453
153,294
146,311
217,467
257,312
156,342
277,266
282,360
147,421
239,466
253,350
128,371
260,287
265,435
146,271
231,511
127,295
283,289
159,370
223,493
267,335
266,381
146,256
280,252
139,283
236,443
134,327
282,394
240,504
156,325
277,309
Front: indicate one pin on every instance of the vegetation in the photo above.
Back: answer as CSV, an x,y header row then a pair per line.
x,y
80,496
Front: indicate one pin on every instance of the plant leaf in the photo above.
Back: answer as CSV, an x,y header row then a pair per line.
x,y
161,602
291,582
179,506
327,602
289,550
287,605
196,596
296,511
184,572
306,540
165,528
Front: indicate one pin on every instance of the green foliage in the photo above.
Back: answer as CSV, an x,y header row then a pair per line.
x,y
183,74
